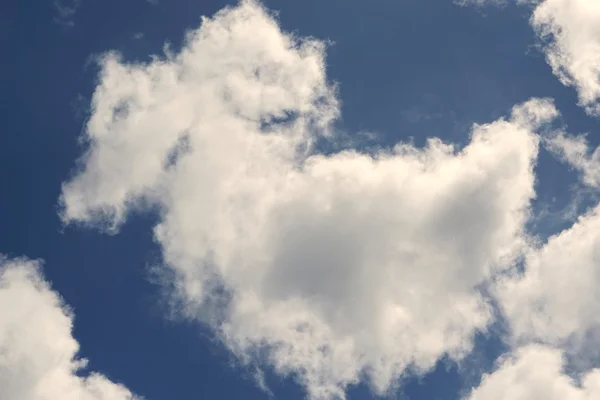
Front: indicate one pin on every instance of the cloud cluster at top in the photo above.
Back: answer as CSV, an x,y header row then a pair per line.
x,y
327,267
38,354
570,32
65,11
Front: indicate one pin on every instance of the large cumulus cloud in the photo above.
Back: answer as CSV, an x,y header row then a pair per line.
x,y
328,267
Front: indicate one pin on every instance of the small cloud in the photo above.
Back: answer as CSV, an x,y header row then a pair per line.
x,y
415,115
138,36
80,106
576,151
568,36
480,3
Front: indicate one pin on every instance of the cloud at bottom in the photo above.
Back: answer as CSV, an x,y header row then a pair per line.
x,y
38,354
536,372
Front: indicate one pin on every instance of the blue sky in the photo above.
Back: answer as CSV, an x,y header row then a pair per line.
x,y
309,239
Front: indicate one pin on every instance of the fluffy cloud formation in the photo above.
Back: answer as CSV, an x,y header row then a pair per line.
x,y
570,31
38,355
328,267
536,372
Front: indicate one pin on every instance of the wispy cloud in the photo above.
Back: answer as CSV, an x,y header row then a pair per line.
x,y
65,11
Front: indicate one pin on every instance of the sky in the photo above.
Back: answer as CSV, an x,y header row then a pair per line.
x,y
300,200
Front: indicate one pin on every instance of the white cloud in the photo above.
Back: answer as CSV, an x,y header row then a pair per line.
x,y
571,29
536,372
38,355
576,152
335,266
